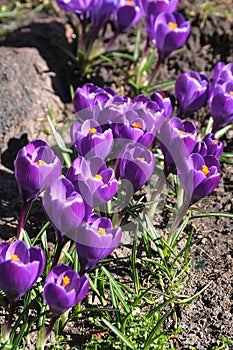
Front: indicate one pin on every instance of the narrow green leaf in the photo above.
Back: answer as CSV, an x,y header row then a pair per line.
x,y
118,333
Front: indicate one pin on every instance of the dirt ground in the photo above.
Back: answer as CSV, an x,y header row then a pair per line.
x,y
35,74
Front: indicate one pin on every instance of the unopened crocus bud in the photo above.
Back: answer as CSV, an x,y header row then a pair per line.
x,y
170,32
96,240
20,267
64,207
192,91
64,289
136,165
201,178
36,167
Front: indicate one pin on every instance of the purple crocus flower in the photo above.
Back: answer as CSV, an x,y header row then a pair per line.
x,y
77,6
221,105
64,206
209,146
36,167
202,177
165,101
222,72
64,289
90,140
93,179
191,90
170,33
136,165
90,99
127,14
20,267
96,240
214,146
152,8
101,12
177,141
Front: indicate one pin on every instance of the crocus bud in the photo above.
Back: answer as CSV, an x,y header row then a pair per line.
x,y
96,240
36,167
64,289
64,206
20,267
136,165
201,178
191,90
170,33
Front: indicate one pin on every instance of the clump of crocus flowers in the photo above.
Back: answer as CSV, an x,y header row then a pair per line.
x,y
113,140
167,29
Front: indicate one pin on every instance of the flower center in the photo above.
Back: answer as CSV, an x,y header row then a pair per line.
x,y
99,177
172,25
101,231
39,162
137,125
205,170
15,257
181,132
141,158
215,141
92,131
231,92
65,281
130,3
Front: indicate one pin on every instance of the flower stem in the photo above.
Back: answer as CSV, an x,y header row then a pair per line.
x,y
156,197
61,243
23,213
10,316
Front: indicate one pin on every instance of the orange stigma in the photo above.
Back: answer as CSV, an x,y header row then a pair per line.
x,y
92,131
130,3
99,177
65,281
205,170
137,125
101,231
39,162
172,25
15,257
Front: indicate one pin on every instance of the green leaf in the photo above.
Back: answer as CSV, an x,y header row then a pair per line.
x,y
118,333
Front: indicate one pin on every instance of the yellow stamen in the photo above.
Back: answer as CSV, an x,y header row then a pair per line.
x,y
99,177
181,132
140,158
172,25
39,162
101,231
137,125
130,3
92,131
65,281
215,141
231,92
15,257
205,170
